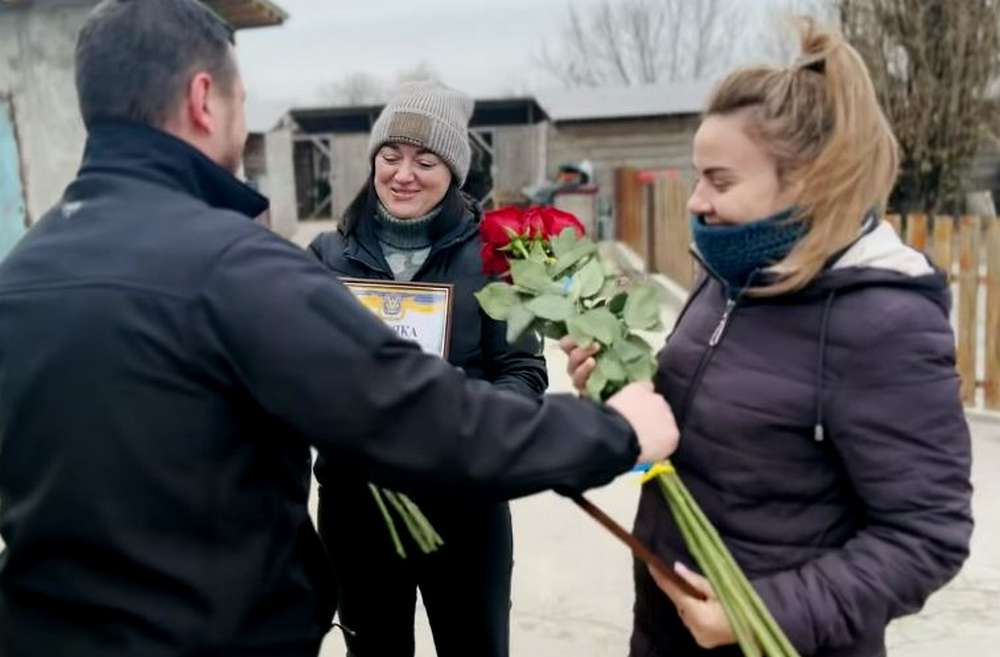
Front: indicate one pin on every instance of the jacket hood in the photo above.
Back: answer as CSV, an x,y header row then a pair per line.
x,y
880,258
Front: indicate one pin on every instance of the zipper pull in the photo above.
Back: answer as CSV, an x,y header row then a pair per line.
x,y
721,328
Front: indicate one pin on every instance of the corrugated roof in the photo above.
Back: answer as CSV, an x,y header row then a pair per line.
x,y
591,104
359,118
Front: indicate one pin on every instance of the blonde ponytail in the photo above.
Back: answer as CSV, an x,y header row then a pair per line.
x,y
821,122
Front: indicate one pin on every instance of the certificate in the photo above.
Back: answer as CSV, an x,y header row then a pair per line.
x,y
420,312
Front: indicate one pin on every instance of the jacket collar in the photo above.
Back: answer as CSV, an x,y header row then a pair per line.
x,y
140,151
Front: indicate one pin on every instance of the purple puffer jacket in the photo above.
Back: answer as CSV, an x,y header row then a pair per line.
x,y
823,435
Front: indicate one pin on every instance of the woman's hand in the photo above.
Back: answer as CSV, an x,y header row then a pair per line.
x,y
581,362
705,619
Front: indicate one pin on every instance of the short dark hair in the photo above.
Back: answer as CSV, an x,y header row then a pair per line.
x,y
134,58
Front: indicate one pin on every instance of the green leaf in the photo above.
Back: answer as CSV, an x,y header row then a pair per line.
x,y
518,322
530,275
590,278
497,299
580,338
551,307
564,242
537,253
610,287
642,369
632,349
617,303
642,310
595,384
582,249
598,324
611,367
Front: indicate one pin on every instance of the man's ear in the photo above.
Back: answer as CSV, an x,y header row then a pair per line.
x,y
197,106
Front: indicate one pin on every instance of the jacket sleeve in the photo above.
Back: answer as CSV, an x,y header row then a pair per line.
x,y
519,367
299,344
317,248
897,425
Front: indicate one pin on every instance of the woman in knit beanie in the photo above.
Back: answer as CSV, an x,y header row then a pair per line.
x,y
411,222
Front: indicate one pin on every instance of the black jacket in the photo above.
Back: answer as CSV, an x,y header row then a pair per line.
x,y
165,364
478,343
824,437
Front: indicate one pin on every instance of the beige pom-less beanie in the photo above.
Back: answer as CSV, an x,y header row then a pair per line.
x,y
429,115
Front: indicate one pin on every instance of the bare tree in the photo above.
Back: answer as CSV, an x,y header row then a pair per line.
x,y
420,72
644,42
354,89
936,65
777,42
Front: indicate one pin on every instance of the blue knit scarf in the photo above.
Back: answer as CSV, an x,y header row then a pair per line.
x,y
736,253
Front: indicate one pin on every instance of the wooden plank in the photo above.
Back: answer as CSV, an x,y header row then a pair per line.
x,y
896,222
678,190
943,235
672,231
992,374
968,290
628,208
916,231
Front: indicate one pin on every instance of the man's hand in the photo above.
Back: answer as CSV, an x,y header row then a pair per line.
x,y
651,419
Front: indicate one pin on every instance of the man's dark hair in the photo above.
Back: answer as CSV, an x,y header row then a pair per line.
x,y
135,58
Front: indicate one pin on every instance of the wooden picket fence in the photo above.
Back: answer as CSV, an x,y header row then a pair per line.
x,y
968,249
651,217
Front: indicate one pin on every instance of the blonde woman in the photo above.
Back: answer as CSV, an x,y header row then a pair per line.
x,y
812,374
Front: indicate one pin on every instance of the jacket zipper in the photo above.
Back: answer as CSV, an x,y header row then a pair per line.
x,y
723,322
706,357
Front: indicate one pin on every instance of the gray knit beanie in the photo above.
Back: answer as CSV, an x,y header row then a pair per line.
x,y
429,115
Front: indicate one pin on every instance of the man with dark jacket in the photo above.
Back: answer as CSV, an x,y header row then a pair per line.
x,y
166,363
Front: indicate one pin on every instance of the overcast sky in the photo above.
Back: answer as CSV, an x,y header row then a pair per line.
x,y
481,47
484,47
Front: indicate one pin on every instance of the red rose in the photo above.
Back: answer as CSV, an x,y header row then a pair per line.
x,y
534,222
494,262
497,225
556,221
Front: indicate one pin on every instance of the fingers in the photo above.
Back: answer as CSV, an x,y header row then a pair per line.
x,y
582,373
667,586
700,583
581,361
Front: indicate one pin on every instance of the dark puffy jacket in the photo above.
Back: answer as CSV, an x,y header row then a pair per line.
x,y
165,365
823,435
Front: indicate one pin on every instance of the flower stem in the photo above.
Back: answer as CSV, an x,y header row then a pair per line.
x,y
388,521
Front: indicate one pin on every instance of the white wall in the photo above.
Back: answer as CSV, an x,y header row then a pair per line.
x,y
279,182
350,169
37,43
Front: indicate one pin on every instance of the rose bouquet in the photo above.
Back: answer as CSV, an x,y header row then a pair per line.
x,y
555,284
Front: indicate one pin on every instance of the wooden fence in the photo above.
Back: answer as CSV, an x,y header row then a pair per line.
x,y
651,217
968,249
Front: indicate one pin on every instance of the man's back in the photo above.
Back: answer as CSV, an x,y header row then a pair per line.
x,y
164,365
143,489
